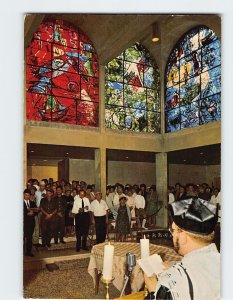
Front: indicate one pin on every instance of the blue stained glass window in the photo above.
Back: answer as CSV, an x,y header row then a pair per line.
x,y
133,91
193,80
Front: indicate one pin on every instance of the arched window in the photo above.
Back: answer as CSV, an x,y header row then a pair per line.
x,y
62,76
193,80
133,91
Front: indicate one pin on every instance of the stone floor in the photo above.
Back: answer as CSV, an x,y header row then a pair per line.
x,y
69,281
69,278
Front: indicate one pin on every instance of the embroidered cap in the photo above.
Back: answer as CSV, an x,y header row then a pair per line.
x,y
194,215
122,197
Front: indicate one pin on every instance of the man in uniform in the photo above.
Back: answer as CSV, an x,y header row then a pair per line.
x,y
48,207
60,216
197,276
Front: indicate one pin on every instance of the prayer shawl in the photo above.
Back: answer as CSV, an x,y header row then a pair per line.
x,y
196,277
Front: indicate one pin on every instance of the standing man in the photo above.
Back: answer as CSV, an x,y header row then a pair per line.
x,y
40,193
48,207
82,211
140,204
28,221
60,216
197,276
99,208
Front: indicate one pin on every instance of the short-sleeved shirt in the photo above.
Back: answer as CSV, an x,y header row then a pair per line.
x,y
78,204
48,206
140,201
99,208
61,204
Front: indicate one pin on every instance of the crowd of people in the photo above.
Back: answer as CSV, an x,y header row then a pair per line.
x,y
202,191
55,209
59,208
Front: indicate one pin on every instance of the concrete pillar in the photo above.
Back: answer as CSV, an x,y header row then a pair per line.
x,y
63,169
100,170
161,186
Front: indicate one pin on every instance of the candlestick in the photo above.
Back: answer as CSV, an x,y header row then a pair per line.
x,y
145,248
108,261
107,283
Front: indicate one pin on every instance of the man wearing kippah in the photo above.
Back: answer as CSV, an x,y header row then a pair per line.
x,y
197,275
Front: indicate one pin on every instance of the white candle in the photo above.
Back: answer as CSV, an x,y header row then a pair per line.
x,y
108,261
145,249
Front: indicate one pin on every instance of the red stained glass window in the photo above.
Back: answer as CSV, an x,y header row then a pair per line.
x,y
62,76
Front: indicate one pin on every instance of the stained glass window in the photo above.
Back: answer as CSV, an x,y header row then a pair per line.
x,y
193,80
133,91
62,76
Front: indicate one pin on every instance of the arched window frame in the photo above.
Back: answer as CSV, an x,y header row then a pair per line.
x,y
67,92
126,108
206,108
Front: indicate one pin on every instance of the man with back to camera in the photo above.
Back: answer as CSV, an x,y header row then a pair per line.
x,y
197,275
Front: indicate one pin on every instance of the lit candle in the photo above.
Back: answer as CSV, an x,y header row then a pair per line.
x,y
145,249
108,261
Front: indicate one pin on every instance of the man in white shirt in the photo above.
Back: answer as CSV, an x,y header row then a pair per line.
x,y
131,203
99,208
82,211
197,276
140,207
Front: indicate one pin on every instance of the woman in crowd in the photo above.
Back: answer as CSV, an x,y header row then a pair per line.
x,y
123,219
182,193
69,221
208,192
33,193
144,190
152,206
89,194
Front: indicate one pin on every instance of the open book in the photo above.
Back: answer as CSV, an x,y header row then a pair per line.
x,y
151,264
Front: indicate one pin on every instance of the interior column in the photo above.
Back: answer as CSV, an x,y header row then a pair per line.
x,y
161,186
100,170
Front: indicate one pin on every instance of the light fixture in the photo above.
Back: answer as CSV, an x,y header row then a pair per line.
x,y
184,160
155,33
201,153
67,153
32,151
44,159
126,157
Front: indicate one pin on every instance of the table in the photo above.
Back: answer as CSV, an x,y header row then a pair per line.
x,y
119,263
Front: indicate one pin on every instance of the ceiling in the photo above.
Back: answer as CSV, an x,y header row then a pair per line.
x,y
113,33
49,155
